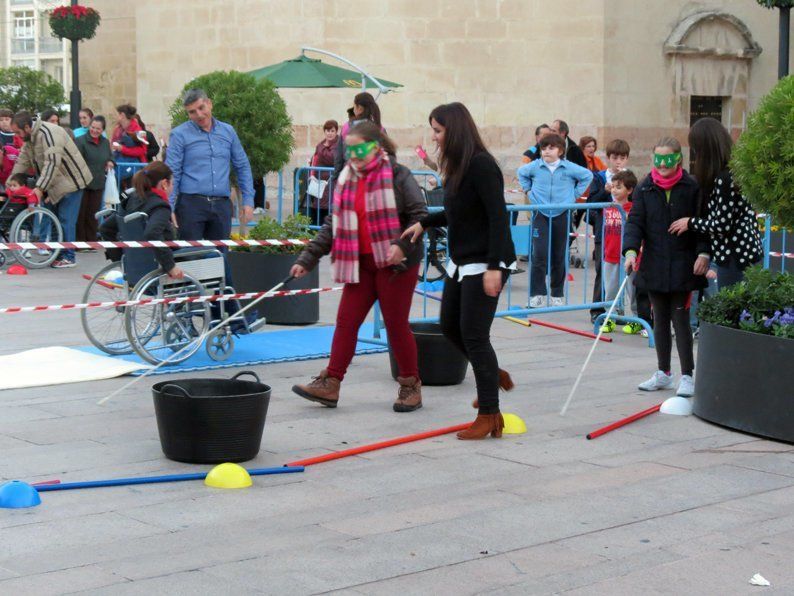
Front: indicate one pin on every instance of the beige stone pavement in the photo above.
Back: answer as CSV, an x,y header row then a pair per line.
x,y
667,505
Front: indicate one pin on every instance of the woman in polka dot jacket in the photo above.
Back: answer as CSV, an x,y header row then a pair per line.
x,y
729,220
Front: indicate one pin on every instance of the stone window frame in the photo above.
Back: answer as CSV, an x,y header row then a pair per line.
x,y
675,44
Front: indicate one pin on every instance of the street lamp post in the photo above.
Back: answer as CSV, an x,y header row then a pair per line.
x,y
75,97
783,45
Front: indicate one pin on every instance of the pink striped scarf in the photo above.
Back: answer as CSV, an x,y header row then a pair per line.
x,y
382,218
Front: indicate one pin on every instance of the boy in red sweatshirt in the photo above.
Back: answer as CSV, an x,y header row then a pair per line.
x,y
18,193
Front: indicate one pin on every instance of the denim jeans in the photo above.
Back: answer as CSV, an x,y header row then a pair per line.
x,y
541,261
67,210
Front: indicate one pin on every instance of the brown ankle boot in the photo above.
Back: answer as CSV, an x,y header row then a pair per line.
x,y
323,389
409,398
505,384
482,426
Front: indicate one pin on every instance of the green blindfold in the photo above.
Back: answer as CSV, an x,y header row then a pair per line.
x,y
361,150
666,161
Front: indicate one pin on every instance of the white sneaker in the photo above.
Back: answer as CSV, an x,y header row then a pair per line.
x,y
557,301
659,380
258,211
536,302
686,387
644,333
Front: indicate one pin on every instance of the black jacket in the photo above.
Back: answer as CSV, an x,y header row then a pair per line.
x,y
158,225
667,259
96,155
411,208
478,228
574,153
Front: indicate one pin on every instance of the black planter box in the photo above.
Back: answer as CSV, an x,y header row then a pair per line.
x,y
258,272
745,381
440,362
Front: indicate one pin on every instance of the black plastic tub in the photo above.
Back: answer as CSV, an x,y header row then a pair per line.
x,y
208,421
440,361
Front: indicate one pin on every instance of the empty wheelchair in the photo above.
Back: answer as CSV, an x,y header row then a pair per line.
x,y
162,331
18,224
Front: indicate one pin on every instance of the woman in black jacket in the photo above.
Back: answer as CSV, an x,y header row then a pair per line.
x,y
375,199
95,149
481,255
152,185
729,221
671,266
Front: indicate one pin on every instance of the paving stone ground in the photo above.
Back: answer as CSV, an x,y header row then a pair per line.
x,y
667,505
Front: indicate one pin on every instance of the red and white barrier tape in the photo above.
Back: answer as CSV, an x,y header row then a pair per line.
x,y
175,300
785,255
149,244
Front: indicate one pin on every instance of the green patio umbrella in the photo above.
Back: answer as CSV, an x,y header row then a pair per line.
x,y
310,72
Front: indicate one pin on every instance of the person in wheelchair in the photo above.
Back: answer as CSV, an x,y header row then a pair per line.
x,y
149,194
151,187
18,193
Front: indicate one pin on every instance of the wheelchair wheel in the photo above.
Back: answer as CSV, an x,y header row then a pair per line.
x,y
432,266
179,326
220,343
104,326
39,225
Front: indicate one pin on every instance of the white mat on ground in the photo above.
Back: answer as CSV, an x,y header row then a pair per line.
x,y
58,365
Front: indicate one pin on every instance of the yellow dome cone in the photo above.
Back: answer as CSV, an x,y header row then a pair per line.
x,y
228,476
513,425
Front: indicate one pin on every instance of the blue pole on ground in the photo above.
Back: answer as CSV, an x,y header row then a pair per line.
x,y
158,479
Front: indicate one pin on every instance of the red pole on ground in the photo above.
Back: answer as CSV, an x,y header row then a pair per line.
x,y
569,330
382,445
623,422
46,483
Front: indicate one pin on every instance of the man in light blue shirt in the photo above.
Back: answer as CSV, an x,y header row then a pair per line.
x,y
201,153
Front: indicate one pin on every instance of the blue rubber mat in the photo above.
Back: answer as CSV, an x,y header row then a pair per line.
x,y
263,347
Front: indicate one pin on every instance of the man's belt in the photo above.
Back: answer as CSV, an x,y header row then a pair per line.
x,y
207,197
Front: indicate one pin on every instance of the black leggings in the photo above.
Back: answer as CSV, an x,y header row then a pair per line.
x,y
667,307
466,316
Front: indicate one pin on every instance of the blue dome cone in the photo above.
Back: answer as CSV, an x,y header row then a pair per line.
x,y
18,495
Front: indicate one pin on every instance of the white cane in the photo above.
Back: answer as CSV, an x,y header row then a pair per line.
x,y
595,343
200,339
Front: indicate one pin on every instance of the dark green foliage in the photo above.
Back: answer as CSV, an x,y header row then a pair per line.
x,y
776,3
762,303
22,88
294,227
256,111
763,159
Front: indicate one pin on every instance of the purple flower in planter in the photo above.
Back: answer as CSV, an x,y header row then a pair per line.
x,y
745,317
788,317
774,319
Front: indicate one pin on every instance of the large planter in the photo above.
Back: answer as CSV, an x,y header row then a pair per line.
x,y
258,272
745,381
440,362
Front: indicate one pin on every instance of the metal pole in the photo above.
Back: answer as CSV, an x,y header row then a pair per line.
x,y
783,43
75,99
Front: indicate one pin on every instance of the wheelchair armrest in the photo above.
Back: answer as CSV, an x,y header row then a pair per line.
x,y
134,216
104,213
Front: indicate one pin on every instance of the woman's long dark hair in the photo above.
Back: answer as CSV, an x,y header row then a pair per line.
x,y
371,110
369,131
711,145
147,178
461,142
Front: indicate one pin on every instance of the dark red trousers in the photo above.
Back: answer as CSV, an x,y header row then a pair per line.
x,y
394,292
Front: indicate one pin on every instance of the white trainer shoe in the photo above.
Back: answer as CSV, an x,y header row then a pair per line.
x,y
659,380
536,302
557,301
686,386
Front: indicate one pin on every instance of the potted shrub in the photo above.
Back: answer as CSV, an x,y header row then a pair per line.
x,y
259,268
744,370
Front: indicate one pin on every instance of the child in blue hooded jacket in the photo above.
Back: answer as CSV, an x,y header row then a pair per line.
x,y
551,180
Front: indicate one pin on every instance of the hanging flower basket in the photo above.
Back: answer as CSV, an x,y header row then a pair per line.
x,y
74,22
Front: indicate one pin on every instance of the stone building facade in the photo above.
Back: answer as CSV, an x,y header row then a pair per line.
x,y
611,68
